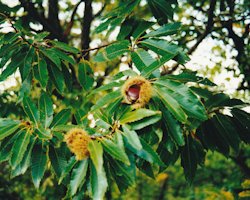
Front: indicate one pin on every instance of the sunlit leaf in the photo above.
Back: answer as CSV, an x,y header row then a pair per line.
x,y
61,118
112,51
137,115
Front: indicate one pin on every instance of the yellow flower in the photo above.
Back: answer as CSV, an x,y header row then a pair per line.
x,y
77,141
137,91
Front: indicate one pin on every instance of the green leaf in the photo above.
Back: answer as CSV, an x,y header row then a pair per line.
x,y
182,57
85,75
27,65
141,28
188,161
241,121
168,153
126,28
108,86
109,98
167,29
142,59
78,175
39,160
222,100
61,118
52,56
67,77
185,97
41,72
110,23
146,168
147,153
22,167
46,110
226,130
121,74
185,77
98,182
171,104
138,125
7,121
173,127
132,137
162,10
19,148
96,151
58,160
8,127
6,48
123,8
57,78
71,163
137,115
16,61
64,56
43,133
112,51
211,139
41,36
161,47
65,47
204,93
146,72
8,57
124,175
98,178
216,100
65,127
31,110
115,150
6,146
117,15
25,88
192,154
9,38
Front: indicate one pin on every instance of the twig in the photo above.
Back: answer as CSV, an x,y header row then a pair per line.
x,y
71,22
100,11
97,48
209,26
86,26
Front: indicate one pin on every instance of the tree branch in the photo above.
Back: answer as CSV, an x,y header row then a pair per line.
x,y
86,25
53,17
209,27
100,11
33,13
163,189
71,22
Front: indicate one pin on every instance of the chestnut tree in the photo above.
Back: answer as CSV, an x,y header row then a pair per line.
x,y
83,116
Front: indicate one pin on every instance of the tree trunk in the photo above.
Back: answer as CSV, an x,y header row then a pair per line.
x,y
86,25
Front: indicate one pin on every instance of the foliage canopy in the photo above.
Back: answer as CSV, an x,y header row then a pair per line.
x,y
60,91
